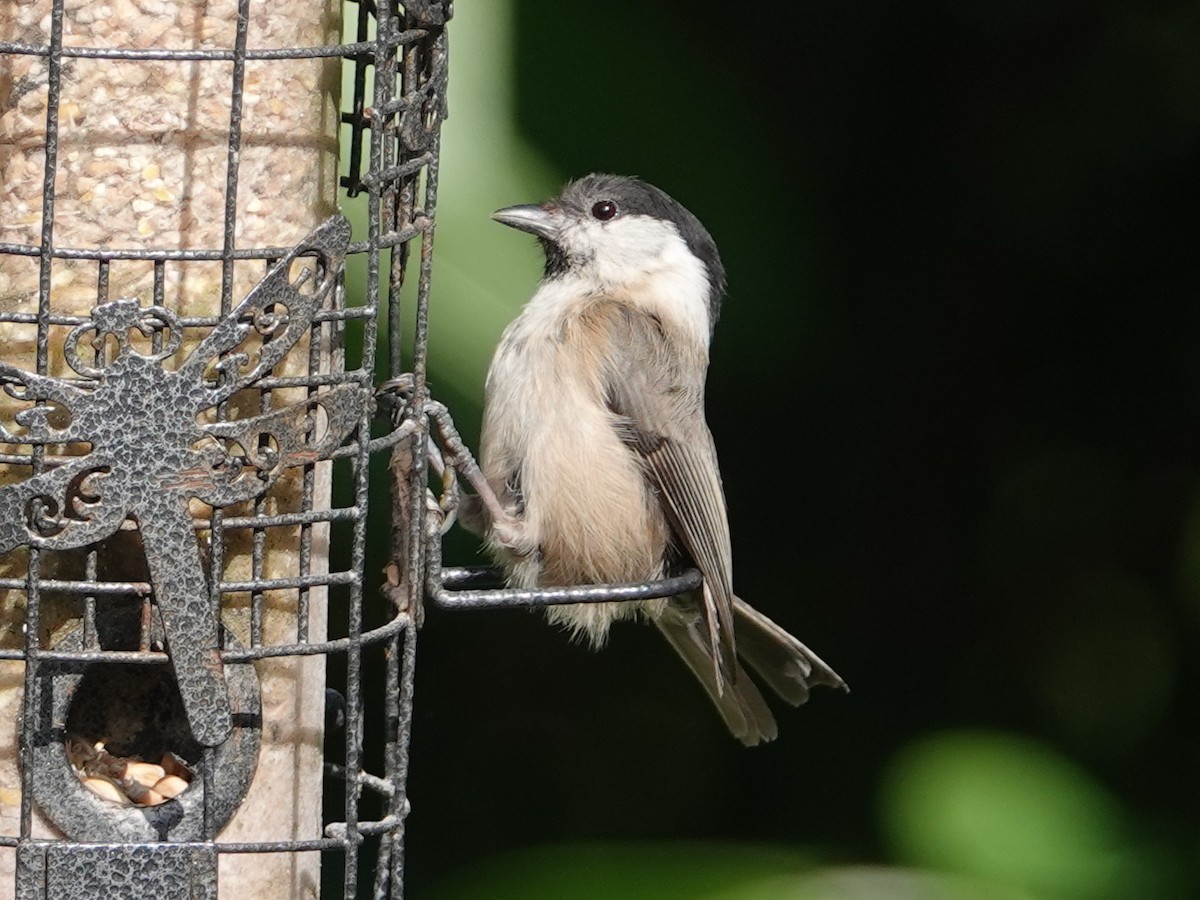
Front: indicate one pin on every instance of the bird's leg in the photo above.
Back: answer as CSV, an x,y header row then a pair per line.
x,y
481,513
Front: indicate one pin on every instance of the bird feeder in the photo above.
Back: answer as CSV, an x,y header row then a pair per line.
x,y
185,612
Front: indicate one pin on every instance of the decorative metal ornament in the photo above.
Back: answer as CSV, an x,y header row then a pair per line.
x,y
152,451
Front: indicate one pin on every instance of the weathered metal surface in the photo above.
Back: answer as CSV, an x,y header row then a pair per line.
x,y
151,450
47,871
132,708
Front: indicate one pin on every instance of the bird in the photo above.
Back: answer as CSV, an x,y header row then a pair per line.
x,y
595,446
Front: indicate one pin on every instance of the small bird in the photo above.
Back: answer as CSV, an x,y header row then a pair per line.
x,y
596,448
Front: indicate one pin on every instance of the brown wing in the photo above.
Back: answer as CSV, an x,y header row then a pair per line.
x,y
657,396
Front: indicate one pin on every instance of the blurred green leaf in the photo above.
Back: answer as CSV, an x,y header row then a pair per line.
x,y
651,871
876,882
1002,807
645,871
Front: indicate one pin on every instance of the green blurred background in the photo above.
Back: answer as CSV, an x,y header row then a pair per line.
x,y
956,395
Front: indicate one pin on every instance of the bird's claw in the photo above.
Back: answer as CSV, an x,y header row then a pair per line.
x,y
441,511
511,534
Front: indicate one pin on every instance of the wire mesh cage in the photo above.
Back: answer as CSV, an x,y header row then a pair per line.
x,y
186,427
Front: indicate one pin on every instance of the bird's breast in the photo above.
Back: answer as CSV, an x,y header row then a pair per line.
x,y
549,442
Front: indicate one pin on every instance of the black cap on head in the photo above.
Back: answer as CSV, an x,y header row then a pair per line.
x,y
633,196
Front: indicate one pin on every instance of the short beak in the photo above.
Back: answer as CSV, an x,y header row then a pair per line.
x,y
537,220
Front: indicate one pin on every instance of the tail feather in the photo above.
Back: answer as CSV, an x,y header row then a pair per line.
x,y
739,702
785,664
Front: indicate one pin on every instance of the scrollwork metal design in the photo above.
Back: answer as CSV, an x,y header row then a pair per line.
x,y
151,450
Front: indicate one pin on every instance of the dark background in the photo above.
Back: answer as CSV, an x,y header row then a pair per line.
x,y
955,395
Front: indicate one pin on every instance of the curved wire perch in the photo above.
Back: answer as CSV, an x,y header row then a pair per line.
x,y
502,598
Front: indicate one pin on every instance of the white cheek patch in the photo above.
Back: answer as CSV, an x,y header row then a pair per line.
x,y
631,246
646,260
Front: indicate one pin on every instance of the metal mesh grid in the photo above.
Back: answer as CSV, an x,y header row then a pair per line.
x,y
393,116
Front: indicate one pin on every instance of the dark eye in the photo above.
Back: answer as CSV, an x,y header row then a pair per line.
x,y
604,210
